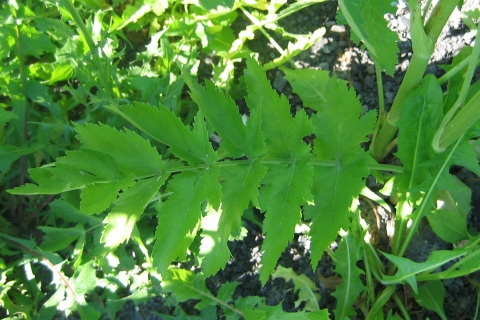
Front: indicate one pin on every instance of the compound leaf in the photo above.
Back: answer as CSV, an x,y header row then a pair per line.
x,y
309,84
366,19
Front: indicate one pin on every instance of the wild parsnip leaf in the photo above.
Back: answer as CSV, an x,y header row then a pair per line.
x,y
283,135
128,208
305,286
430,295
339,130
309,84
286,186
347,255
408,269
180,215
222,114
97,197
188,285
132,153
366,19
160,123
240,186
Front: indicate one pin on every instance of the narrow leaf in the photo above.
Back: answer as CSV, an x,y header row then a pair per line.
x,y
420,119
9,154
348,291
59,238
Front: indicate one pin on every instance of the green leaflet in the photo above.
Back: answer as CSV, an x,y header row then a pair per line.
x,y
366,19
306,287
160,123
286,188
347,255
129,206
188,285
240,186
430,295
309,84
339,131
283,135
407,269
132,153
222,114
180,215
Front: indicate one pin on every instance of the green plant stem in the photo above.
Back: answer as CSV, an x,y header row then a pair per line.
x,y
381,300
416,69
424,14
449,129
401,306
102,76
452,72
259,25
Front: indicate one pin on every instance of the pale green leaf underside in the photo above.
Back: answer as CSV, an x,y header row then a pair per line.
x,y
430,295
348,291
407,269
366,19
306,287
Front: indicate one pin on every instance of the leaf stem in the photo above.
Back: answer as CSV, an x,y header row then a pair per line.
x,y
401,306
93,48
381,300
418,64
449,129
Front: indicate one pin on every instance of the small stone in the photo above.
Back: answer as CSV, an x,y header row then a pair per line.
x,y
327,48
338,29
324,65
279,82
369,81
371,69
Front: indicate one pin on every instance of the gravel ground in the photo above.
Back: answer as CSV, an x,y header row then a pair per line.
x,y
336,53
